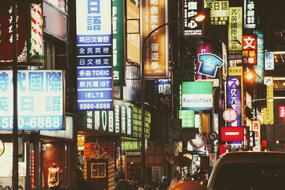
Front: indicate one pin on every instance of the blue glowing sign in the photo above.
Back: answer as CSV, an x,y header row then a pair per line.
x,y
94,55
209,64
40,100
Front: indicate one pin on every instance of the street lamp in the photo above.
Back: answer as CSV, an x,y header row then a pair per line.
x,y
198,18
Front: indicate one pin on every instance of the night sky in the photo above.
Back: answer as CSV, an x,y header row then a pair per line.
x,y
271,12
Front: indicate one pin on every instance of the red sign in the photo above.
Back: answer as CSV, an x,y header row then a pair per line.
x,y
230,134
249,49
230,115
282,111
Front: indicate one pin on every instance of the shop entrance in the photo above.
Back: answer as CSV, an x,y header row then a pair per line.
x,y
97,172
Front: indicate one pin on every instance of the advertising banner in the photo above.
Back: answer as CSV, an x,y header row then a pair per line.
x,y
197,95
133,31
259,68
94,55
256,129
125,119
118,43
219,12
191,26
249,14
40,100
156,48
269,110
269,61
235,29
249,49
234,98
6,33
202,48
231,134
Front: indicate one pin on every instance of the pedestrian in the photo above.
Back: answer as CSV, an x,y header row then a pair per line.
x,y
79,182
122,184
164,183
175,180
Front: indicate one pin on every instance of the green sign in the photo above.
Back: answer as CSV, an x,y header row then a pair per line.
x,y
131,145
118,43
197,95
188,118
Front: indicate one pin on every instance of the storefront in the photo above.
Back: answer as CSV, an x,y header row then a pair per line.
x,y
100,140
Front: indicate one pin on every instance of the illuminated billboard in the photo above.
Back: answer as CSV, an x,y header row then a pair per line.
x,y
156,47
249,49
235,29
249,14
219,12
191,26
6,33
94,55
197,95
234,97
40,100
118,43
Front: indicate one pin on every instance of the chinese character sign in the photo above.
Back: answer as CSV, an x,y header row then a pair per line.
x,y
6,32
40,100
94,55
259,68
257,138
118,42
281,111
156,52
191,26
219,12
249,14
235,29
249,49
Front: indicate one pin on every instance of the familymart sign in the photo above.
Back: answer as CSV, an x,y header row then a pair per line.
x,y
197,95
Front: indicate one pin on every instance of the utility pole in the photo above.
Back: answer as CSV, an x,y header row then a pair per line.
x,y
15,177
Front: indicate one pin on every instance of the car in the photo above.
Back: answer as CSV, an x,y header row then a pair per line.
x,y
248,171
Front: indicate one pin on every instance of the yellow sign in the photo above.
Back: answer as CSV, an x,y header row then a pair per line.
x,y
235,29
235,71
156,47
269,111
219,12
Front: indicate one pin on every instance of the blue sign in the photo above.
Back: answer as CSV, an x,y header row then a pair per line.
x,y
209,64
40,100
234,98
94,55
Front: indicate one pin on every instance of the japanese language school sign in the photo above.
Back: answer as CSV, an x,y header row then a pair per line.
x,y
234,96
249,14
156,59
6,32
249,49
40,100
235,29
219,12
94,55
191,26
197,95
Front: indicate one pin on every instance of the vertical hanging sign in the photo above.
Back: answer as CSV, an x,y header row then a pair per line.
x,y
191,26
156,59
118,42
249,14
235,29
234,96
37,43
94,55
249,49
6,33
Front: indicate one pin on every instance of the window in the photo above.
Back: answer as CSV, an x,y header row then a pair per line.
x,y
98,170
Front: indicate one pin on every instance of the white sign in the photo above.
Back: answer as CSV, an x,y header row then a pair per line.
x,y
269,61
